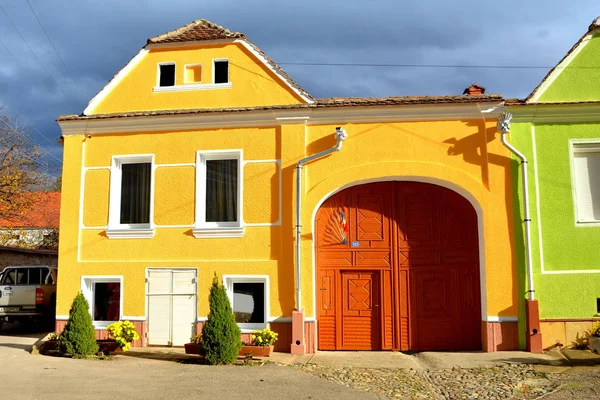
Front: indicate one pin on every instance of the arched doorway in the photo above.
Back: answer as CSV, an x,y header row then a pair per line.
x,y
397,268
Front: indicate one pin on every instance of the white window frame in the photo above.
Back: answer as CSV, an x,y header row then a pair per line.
x,y
88,284
229,280
228,71
203,229
158,74
117,230
581,146
185,68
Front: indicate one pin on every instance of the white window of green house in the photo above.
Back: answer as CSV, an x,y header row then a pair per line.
x,y
131,197
104,295
586,181
219,194
249,299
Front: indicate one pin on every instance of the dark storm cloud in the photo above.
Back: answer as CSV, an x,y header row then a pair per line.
x,y
96,38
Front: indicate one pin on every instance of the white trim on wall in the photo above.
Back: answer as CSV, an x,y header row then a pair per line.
x,y
543,270
268,65
88,294
215,60
203,229
160,64
274,117
192,86
491,318
560,68
114,82
228,282
117,230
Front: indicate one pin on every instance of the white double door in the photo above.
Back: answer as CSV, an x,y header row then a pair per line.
x,y
172,306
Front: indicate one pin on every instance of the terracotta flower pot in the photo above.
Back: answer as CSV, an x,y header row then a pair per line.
x,y
193,348
257,351
107,347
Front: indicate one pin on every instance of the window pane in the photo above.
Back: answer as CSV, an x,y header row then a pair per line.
x,y
107,300
221,190
587,185
167,75
135,193
249,302
35,276
221,71
9,277
21,277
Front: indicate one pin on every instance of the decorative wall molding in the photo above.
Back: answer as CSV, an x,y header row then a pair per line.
x,y
275,117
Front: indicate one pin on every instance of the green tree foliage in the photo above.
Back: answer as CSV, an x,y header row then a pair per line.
x,y
220,334
79,336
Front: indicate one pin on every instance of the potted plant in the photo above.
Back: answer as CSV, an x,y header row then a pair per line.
x,y
594,338
262,344
124,333
195,345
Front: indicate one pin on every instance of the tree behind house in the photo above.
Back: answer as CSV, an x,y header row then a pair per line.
x,y
20,168
220,334
79,336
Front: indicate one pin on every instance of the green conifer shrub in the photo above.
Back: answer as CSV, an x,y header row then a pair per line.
x,y
79,336
220,334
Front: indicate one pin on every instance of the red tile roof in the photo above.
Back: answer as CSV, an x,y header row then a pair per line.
x,y
320,103
199,29
44,212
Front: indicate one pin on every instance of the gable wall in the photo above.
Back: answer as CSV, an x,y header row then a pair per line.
x,y
253,84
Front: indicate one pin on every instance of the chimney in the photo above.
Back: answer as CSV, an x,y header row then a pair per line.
x,y
474,90
595,24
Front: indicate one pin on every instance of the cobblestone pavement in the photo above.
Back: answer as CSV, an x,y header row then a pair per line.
x,y
511,381
576,383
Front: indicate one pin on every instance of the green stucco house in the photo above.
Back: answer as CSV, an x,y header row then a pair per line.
x,y
557,130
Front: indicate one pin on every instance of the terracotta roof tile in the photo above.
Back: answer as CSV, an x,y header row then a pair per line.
x,y
44,212
320,103
199,29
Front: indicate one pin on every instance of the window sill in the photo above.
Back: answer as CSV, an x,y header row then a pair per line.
x,y
194,86
130,233
235,232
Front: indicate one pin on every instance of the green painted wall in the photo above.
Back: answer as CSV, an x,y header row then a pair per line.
x,y
562,292
579,81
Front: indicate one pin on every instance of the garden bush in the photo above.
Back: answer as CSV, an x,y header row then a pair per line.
x,y
220,334
79,336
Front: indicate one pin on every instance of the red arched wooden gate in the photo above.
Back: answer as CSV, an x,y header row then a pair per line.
x,y
398,268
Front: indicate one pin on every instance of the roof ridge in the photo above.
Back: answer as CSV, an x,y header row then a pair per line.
x,y
202,22
595,24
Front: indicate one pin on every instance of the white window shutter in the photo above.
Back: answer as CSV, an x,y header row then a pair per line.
x,y
587,185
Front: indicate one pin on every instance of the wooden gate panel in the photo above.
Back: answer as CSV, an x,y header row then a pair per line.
x,y
435,306
326,301
420,243
360,310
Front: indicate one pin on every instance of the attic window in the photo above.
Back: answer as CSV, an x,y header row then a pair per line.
x,y
193,73
166,74
221,71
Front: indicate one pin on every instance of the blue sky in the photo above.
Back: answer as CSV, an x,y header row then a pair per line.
x,y
91,40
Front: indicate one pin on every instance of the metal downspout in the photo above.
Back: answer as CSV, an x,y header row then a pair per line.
x,y
504,128
340,136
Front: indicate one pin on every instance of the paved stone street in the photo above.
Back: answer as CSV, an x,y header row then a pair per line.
x,y
162,374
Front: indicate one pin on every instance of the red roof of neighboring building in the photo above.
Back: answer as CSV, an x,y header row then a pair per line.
x,y
44,212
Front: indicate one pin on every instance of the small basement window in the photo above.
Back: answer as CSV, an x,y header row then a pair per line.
x,y
249,300
221,71
166,74
193,73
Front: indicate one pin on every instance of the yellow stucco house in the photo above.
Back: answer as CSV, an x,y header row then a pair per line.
x,y
197,158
